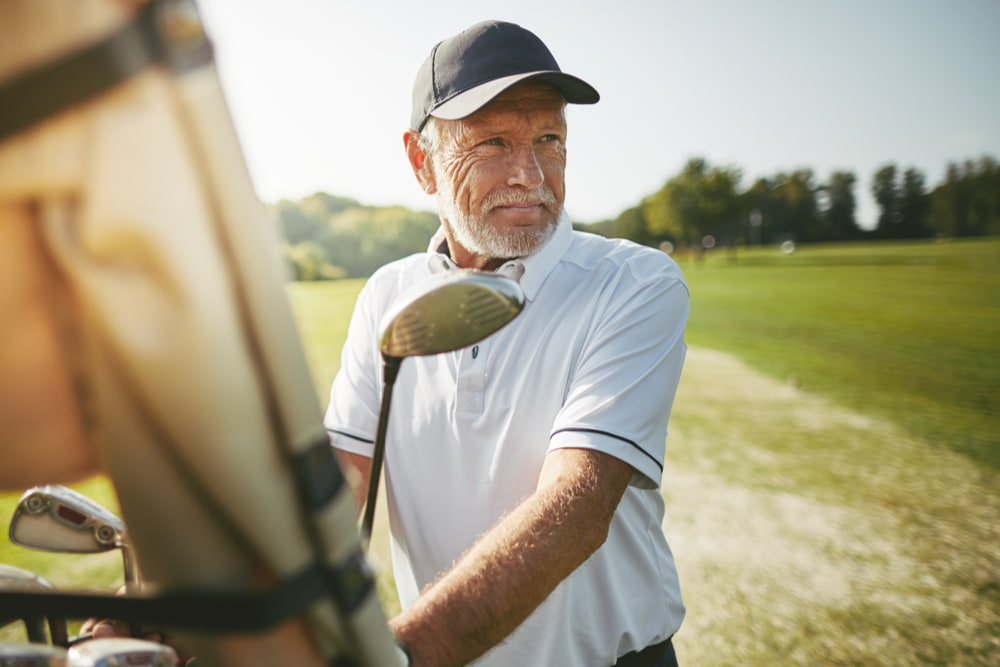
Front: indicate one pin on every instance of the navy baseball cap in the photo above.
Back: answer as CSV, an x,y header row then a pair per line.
x,y
465,72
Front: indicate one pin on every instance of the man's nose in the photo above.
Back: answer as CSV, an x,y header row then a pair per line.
x,y
525,170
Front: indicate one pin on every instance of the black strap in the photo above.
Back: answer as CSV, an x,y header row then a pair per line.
x,y
646,657
220,611
320,477
164,32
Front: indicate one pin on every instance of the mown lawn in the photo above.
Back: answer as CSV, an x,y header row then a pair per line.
x,y
905,331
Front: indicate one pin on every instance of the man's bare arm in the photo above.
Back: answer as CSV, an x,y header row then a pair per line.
x,y
496,585
356,468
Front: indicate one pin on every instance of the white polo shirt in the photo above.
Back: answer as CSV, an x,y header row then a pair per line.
x,y
593,362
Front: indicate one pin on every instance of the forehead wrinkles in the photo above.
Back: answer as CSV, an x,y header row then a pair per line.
x,y
517,113
521,108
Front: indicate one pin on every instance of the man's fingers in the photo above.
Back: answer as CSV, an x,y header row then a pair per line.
x,y
106,629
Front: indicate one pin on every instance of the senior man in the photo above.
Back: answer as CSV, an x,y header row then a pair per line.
x,y
523,472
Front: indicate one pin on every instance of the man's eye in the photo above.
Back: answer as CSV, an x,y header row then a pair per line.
x,y
550,137
495,141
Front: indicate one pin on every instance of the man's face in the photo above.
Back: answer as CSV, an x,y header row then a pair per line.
x,y
499,174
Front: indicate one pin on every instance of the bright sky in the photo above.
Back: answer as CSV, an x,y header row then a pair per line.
x,y
320,89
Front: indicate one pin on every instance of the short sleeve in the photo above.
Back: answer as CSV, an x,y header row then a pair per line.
x,y
352,414
623,387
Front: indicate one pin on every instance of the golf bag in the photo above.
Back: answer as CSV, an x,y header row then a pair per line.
x,y
145,334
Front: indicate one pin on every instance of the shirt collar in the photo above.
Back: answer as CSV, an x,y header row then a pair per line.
x,y
530,271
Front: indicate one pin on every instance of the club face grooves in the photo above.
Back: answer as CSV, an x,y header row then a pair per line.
x,y
451,314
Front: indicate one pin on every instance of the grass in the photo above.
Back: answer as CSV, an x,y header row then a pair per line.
x,y
322,311
832,483
908,332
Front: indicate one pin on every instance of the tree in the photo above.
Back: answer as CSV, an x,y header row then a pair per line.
x,y
363,238
308,262
951,203
330,237
914,205
293,223
886,193
798,192
700,201
839,218
787,206
904,203
967,203
632,225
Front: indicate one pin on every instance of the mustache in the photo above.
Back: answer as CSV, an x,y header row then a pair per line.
x,y
541,195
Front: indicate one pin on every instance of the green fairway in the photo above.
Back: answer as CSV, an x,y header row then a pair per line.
x,y
909,332
322,313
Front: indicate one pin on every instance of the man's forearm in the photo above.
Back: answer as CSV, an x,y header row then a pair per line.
x,y
356,469
496,585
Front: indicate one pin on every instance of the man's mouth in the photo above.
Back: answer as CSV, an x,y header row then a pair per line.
x,y
516,204
520,215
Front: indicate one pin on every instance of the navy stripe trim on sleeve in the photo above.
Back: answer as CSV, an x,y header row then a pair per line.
x,y
348,435
616,437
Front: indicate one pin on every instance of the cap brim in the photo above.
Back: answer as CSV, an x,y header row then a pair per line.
x,y
576,91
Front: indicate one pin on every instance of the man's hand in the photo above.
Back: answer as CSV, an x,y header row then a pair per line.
x,y
109,628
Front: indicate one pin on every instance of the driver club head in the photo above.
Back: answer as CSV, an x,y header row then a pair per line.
x,y
449,311
446,312
59,519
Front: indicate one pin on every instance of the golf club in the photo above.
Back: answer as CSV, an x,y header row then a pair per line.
x,y
14,578
118,651
59,519
448,311
32,655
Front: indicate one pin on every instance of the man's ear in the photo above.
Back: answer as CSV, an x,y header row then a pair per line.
x,y
419,162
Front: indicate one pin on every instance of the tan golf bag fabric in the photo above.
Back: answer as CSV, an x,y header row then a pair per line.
x,y
145,333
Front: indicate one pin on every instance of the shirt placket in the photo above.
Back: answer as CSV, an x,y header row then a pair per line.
x,y
472,362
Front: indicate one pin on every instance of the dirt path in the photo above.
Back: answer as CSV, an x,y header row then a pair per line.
x,y
777,570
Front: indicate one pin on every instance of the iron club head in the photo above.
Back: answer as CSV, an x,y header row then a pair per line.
x,y
111,652
57,518
14,577
32,655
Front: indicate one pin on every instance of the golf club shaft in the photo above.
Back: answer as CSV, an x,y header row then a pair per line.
x,y
34,627
390,369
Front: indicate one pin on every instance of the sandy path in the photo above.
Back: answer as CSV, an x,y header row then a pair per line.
x,y
772,575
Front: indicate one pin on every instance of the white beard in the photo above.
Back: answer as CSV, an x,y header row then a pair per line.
x,y
474,233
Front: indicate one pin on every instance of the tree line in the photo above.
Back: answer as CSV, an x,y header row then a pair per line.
x,y
328,237
706,202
